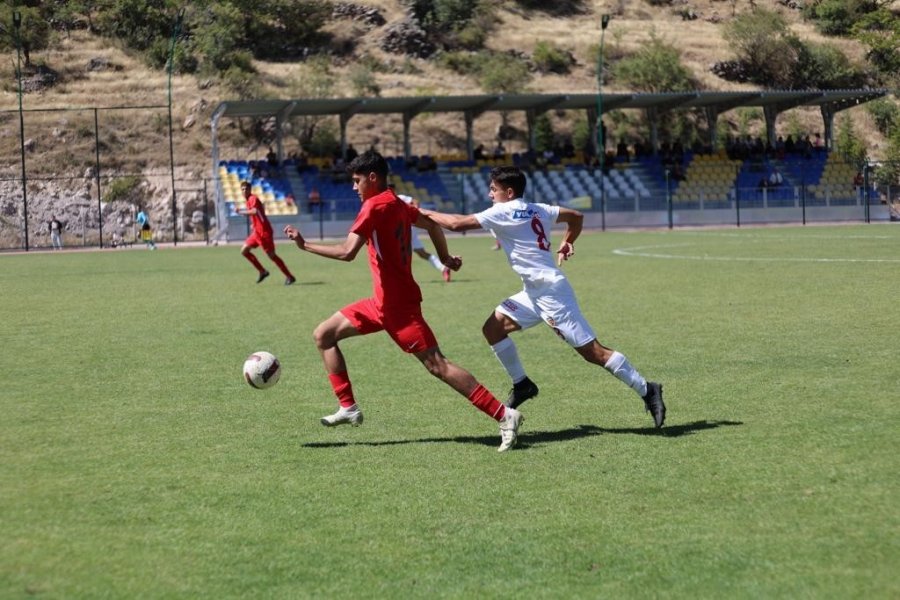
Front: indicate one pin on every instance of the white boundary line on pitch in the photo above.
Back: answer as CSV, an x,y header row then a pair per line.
x,y
638,251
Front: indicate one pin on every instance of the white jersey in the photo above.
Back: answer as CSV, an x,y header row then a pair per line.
x,y
416,242
523,230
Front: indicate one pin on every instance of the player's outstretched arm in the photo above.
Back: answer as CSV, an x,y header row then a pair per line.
x,y
452,222
346,251
574,221
439,240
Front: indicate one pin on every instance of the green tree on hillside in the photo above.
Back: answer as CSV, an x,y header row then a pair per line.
x,y
33,31
848,143
765,45
655,68
880,32
454,23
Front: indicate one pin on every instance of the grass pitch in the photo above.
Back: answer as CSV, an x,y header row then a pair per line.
x,y
137,463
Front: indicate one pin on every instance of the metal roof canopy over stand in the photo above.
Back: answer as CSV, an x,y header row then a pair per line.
x,y
829,102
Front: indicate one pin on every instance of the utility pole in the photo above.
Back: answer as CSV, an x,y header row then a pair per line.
x,y
601,146
17,24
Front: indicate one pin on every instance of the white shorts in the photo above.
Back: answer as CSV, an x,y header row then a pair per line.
x,y
416,243
557,306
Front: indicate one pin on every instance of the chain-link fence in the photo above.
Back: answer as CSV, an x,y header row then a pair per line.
x,y
93,170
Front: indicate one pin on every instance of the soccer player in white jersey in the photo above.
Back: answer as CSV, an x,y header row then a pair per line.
x,y
419,248
523,230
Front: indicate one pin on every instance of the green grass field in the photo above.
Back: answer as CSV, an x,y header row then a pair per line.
x,y
137,463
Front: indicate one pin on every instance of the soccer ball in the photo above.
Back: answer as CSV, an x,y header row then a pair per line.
x,y
262,370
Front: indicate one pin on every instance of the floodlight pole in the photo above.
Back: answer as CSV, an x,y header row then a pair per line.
x,y
17,24
601,147
175,33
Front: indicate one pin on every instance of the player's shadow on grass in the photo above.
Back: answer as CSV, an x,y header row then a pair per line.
x,y
532,438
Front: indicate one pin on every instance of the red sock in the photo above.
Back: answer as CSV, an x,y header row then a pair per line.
x,y
253,261
486,403
340,383
277,260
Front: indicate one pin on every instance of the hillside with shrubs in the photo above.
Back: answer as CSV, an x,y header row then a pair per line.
x,y
97,75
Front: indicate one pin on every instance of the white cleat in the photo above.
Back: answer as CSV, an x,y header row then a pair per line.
x,y
351,415
509,429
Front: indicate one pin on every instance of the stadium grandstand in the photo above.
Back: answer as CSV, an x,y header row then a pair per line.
x,y
652,184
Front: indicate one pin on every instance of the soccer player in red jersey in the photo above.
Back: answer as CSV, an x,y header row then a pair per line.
x,y
383,224
261,236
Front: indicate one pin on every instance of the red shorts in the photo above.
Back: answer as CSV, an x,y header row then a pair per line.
x,y
407,326
264,241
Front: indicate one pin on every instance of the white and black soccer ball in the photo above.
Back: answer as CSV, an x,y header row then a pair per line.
x,y
262,370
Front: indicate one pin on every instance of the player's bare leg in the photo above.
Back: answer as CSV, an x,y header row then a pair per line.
x,y
246,252
465,383
327,335
616,363
289,278
496,330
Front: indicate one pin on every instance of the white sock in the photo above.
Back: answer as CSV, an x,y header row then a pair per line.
x,y
436,263
619,366
506,353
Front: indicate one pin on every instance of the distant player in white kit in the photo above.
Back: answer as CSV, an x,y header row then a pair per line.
x,y
419,248
523,230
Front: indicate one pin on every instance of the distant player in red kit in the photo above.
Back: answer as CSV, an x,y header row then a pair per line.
x,y
383,224
261,236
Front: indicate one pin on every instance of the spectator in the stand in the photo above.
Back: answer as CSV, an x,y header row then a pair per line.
x,y
568,148
818,144
351,153
338,170
499,150
622,151
549,157
478,153
678,151
272,159
588,153
426,163
763,184
314,200
779,148
789,146
697,146
302,162
677,172
858,183
775,179
639,149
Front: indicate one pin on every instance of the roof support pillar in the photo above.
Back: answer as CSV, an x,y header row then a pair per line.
x,y
407,145
828,124
591,112
530,118
771,114
280,118
470,142
344,118
712,122
653,120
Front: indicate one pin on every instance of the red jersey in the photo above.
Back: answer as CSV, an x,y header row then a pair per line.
x,y
384,221
260,222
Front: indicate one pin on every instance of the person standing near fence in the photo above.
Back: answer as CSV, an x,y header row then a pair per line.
x,y
146,232
261,236
56,228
